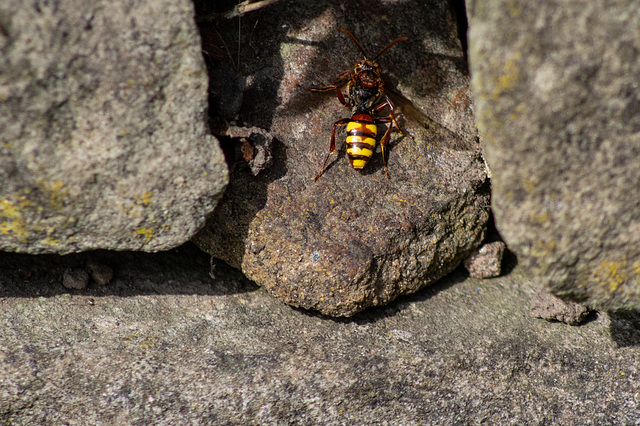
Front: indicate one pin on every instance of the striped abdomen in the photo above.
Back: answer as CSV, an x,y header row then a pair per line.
x,y
361,139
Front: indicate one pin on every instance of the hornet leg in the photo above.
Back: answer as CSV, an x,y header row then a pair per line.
x,y
337,83
391,119
332,146
385,140
392,114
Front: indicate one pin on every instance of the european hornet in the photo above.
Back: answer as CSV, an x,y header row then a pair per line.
x,y
365,96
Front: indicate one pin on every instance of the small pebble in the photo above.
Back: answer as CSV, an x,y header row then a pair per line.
x,y
551,308
486,262
101,274
75,278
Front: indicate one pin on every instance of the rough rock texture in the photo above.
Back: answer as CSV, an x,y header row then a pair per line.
x,y
350,240
103,134
549,307
556,89
486,262
165,344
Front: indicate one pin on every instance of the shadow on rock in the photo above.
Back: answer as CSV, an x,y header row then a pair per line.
x,y
376,313
181,271
625,328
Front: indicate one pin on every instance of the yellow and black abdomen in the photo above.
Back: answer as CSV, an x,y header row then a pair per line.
x,y
361,140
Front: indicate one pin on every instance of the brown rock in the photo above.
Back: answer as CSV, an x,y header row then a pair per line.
x,y
354,239
101,273
551,308
486,262
75,278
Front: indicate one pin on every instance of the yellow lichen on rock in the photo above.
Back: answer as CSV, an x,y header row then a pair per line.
x,y
147,233
12,224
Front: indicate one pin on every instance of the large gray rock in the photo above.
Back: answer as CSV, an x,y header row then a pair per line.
x,y
165,344
103,135
352,239
556,88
